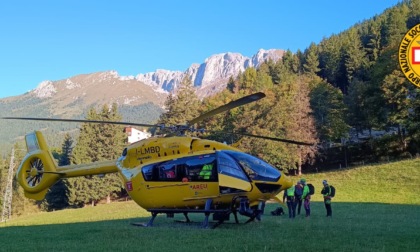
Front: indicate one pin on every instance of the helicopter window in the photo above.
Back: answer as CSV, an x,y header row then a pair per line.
x,y
256,168
201,168
167,171
183,169
147,172
229,167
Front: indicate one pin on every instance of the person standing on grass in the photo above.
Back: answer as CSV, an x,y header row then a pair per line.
x,y
289,195
298,196
306,197
326,192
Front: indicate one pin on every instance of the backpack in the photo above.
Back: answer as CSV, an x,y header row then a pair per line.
x,y
311,189
332,191
298,191
279,211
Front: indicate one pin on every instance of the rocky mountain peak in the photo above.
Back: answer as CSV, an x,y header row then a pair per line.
x,y
209,77
45,89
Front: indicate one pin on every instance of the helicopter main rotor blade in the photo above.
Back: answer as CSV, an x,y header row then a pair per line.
x,y
233,104
77,120
265,137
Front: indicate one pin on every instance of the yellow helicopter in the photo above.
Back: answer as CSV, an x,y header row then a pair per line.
x,y
170,175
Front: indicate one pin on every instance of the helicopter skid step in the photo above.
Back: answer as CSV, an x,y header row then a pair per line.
x,y
166,210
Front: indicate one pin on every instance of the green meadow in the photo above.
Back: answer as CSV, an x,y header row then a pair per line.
x,y
376,208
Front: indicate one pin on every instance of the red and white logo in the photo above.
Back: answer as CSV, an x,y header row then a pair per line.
x,y
416,55
129,186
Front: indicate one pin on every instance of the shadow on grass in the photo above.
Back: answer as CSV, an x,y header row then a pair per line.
x,y
354,227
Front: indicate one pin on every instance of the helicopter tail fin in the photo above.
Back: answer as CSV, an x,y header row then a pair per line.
x,y
37,171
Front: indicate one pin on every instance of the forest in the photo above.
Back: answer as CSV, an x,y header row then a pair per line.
x,y
330,94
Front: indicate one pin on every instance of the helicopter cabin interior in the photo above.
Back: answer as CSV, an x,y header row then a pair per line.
x,y
200,168
209,167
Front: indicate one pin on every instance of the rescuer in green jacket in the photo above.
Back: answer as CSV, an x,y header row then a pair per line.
x,y
326,192
206,171
289,195
306,197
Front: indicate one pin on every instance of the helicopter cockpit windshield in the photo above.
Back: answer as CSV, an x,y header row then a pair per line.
x,y
256,168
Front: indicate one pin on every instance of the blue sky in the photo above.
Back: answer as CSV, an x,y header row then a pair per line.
x,y
53,40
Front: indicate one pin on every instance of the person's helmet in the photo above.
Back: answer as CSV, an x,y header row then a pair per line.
x,y
324,182
303,181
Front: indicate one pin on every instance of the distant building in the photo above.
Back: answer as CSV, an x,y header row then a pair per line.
x,y
135,135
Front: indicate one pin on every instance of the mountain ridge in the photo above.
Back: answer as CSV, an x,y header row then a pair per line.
x,y
139,98
215,70
212,73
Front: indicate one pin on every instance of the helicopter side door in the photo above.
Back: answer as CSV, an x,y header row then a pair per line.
x,y
232,177
180,182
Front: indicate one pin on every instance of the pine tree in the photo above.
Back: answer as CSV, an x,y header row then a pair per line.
x,y
66,151
262,82
58,195
221,122
359,106
276,71
414,15
396,25
248,79
311,63
97,142
302,126
396,95
330,59
182,106
231,85
373,45
291,62
284,113
329,112
354,56
413,120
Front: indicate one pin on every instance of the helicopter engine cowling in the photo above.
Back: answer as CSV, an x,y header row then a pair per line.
x,y
36,172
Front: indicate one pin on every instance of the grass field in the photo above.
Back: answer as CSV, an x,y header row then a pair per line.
x,y
376,208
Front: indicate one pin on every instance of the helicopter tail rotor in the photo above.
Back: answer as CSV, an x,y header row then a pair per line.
x,y
37,171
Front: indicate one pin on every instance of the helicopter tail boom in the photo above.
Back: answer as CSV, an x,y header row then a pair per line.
x,y
38,171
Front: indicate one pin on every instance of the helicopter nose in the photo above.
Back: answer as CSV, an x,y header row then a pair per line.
x,y
286,183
